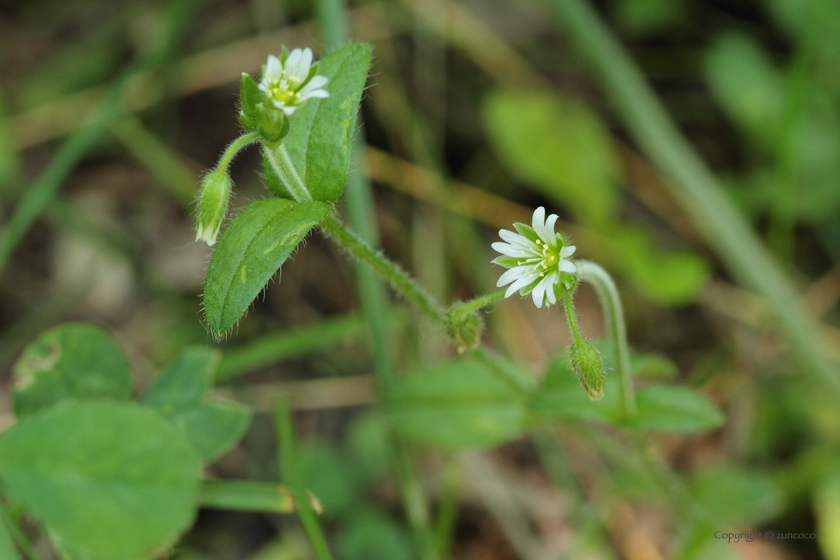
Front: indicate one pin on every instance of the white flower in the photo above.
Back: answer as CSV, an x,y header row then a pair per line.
x,y
536,258
290,80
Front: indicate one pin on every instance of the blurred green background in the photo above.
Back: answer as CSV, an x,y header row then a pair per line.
x,y
476,113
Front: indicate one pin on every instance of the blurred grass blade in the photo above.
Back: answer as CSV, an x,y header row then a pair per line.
x,y
43,190
161,160
246,495
296,481
276,347
695,187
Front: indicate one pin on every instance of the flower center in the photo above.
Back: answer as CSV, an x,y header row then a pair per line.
x,y
544,259
284,90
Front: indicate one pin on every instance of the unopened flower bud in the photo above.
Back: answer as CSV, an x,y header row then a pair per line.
x,y
212,206
464,329
588,368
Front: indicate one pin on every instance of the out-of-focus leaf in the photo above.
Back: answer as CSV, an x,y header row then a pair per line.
x,y
827,508
320,133
669,278
8,551
675,409
327,476
734,497
648,15
110,480
368,445
746,84
250,251
72,361
562,398
372,536
456,404
180,395
652,366
558,145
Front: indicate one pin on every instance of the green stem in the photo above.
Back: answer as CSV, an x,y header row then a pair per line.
x,y
358,195
296,481
616,329
447,514
246,495
477,303
386,269
570,317
695,187
234,148
278,158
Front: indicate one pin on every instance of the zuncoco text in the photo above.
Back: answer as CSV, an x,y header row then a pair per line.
x,y
749,537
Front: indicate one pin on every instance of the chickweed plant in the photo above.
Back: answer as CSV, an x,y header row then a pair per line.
x,y
129,491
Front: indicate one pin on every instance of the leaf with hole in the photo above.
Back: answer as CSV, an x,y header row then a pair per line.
x,y
72,361
250,251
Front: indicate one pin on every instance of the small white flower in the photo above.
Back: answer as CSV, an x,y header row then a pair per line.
x,y
290,80
536,258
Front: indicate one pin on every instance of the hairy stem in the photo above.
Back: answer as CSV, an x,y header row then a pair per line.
x,y
388,270
234,148
616,329
477,303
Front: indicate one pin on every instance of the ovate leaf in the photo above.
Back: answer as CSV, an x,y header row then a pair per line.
x,y
250,251
181,395
558,145
675,409
456,404
112,481
319,136
73,361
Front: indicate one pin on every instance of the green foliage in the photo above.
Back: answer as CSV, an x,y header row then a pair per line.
x,y
180,394
827,506
319,137
562,148
373,536
8,551
663,408
735,497
559,145
106,494
675,409
456,404
328,476
250,251
747,85
72,361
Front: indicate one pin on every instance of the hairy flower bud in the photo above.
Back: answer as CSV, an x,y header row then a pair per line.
x,y
212,206
464,329
588,368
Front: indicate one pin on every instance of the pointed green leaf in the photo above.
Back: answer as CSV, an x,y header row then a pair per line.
x,y
456,404
72,361
110,480
180,394
250,251
319,138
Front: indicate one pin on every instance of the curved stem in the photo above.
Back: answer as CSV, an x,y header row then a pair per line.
x,y
616,328
477,303
234,147
388,270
